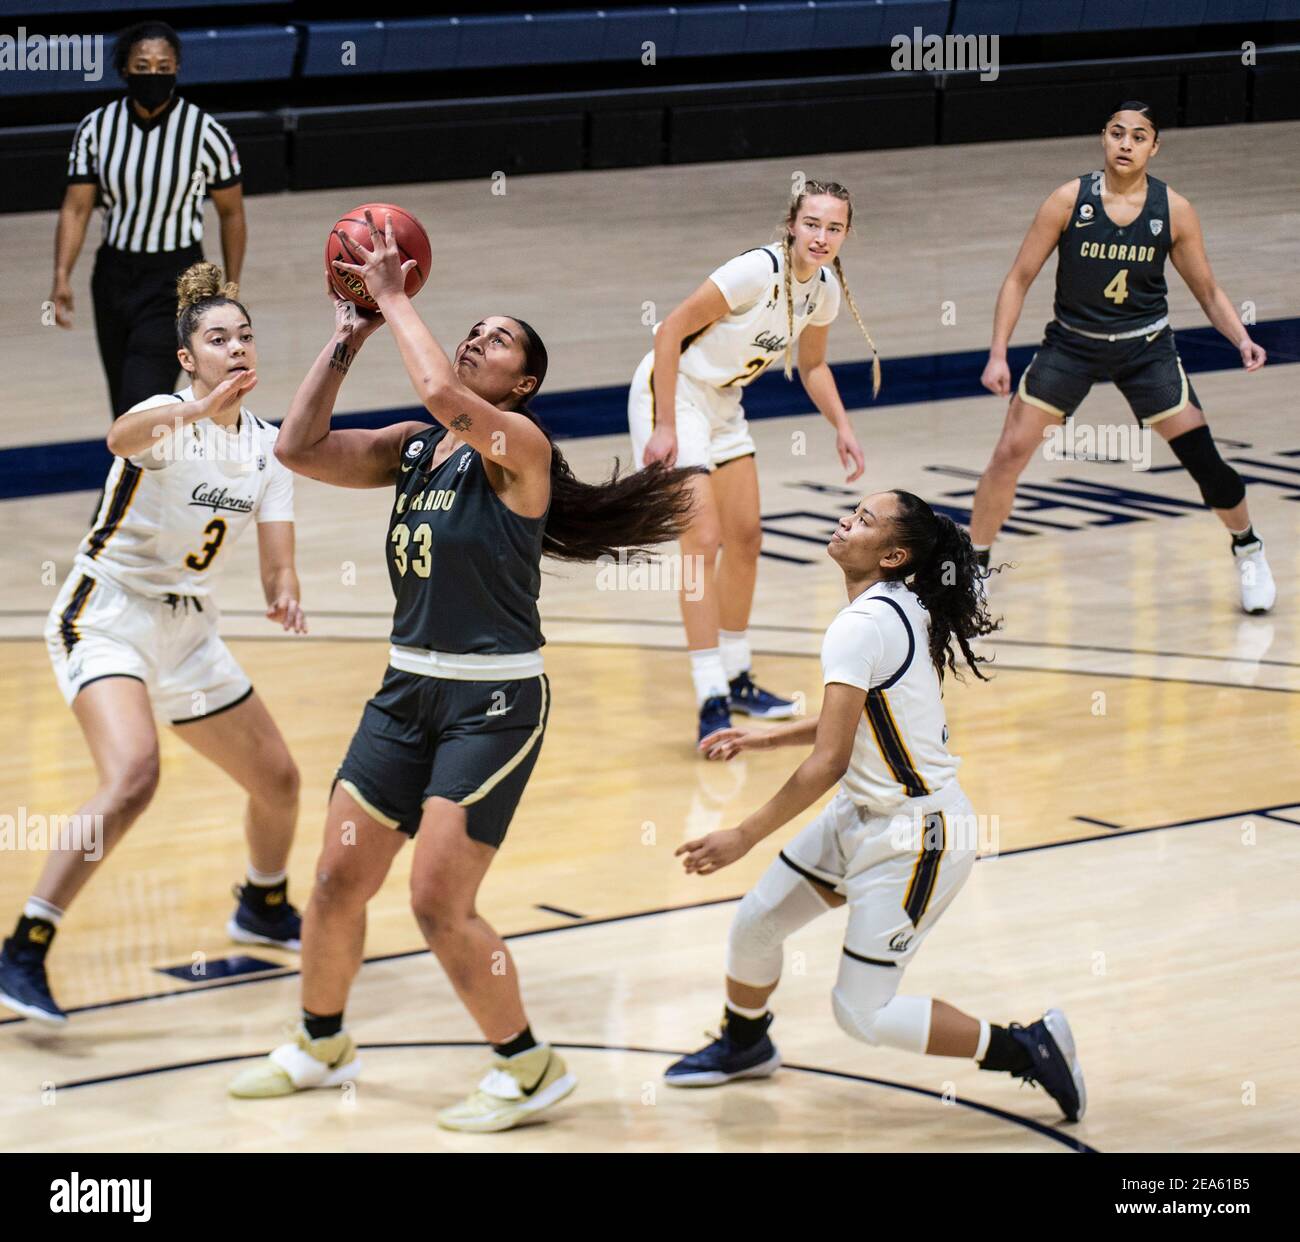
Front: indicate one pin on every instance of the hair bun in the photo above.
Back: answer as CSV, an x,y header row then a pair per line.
x,y
202,280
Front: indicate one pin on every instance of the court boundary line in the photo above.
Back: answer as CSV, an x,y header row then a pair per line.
x,y
562,620
289,971
994,665
1053,1132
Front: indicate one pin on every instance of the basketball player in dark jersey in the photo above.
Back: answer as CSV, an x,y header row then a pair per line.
x,y
1112,231
446,746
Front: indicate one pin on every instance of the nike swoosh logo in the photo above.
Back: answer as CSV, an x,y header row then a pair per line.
x,y
1152,337
407,469
1083,224
532,1090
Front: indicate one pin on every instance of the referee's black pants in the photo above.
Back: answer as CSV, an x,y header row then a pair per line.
x,y
135,320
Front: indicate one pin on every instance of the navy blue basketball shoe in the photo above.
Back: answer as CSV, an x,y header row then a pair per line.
x,y
755,701
1050,1045
264,916
724,1061
714,716
24,987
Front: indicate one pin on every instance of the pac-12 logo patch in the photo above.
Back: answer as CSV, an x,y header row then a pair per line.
x,y
414,449
1156,226
261,461
1085,211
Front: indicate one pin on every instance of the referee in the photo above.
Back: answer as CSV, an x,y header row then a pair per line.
x,y
147,159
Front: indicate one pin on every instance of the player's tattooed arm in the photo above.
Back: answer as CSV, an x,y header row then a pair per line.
x,y
462,422
341,358
346,457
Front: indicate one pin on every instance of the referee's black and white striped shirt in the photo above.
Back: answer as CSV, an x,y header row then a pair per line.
x,y
152,175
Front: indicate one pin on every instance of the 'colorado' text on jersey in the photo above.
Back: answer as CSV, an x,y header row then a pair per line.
x,y
1112,279
466,570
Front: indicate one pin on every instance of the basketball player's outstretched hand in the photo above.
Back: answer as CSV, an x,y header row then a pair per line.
x,y
1252,356
997,377
728,743
705,855
381,267
288,612
850,456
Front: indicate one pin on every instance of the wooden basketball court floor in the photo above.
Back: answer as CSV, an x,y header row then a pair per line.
x,y
1135,753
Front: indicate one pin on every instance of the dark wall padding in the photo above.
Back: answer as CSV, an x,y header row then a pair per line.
x,y
318,148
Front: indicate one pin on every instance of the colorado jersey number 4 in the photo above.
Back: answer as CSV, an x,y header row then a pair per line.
x,y
167,519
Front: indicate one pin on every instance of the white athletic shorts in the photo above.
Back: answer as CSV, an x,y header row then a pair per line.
x,y
898,872
711,426
97,630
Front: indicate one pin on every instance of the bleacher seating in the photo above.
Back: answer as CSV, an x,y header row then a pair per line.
x,y
234,54
314,49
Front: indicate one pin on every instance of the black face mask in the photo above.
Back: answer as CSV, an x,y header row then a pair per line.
x,y
150,90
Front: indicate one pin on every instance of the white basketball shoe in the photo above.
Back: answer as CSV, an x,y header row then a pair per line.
x,y
1258,590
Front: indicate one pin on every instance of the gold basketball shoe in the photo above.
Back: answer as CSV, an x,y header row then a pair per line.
x,y
299,1066
512,1091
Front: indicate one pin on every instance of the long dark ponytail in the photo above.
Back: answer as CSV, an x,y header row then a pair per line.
x,y
587,521
945,576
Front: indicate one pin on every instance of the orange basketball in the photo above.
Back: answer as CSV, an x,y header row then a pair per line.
x,y
351,234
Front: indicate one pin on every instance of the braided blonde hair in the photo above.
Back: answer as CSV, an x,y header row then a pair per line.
x,y
835,190
200,287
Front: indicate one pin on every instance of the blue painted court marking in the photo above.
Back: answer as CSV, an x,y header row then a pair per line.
x,y
1028,1123
1281,819
80,465
220,968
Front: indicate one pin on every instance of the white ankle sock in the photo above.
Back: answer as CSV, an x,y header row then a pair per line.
x,y
265,879
982,1048
746,1013
708,674
736,657
39,908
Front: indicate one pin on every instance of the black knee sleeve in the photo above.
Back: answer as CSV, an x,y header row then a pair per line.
x,y
1221,486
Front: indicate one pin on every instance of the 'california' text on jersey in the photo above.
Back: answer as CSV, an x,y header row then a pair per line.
x,y
1112,279
465,569
169,517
